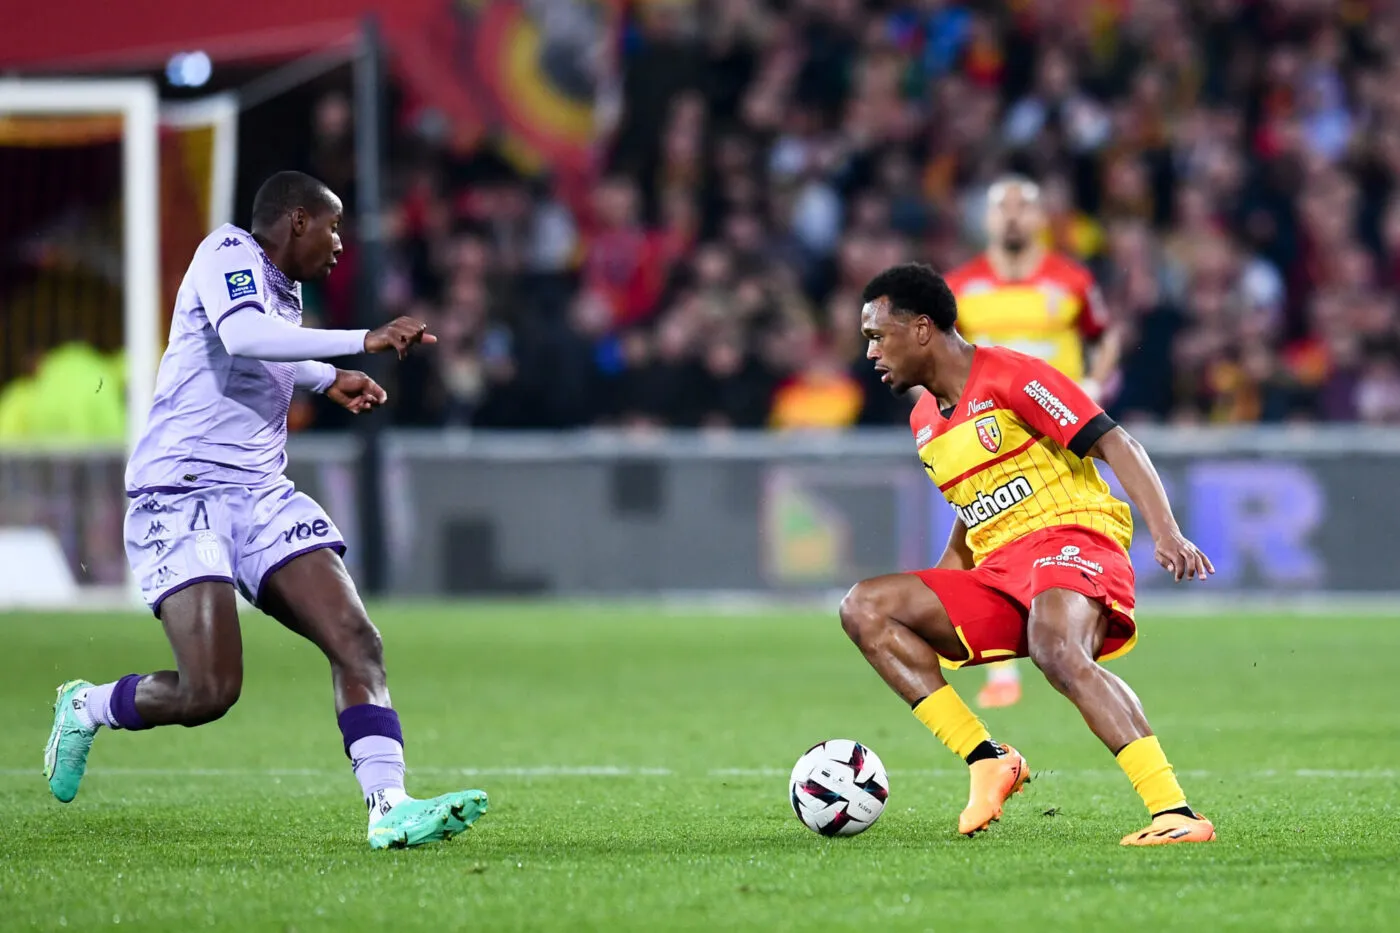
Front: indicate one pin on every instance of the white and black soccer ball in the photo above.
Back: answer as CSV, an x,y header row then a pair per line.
x,y
839,788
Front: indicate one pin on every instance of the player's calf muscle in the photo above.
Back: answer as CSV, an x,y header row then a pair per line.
x,y
358,666
208,701
170,698
201,623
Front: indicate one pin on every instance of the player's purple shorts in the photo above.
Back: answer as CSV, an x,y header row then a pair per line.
x,y
229,533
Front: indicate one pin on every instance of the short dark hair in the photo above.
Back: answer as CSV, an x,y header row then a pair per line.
x,y
285,192
914,289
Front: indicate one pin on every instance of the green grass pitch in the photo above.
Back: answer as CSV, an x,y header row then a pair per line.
x,y
636,761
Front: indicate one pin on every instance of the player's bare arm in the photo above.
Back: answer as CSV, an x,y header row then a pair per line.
x,y
957,555
1105,355
1134,469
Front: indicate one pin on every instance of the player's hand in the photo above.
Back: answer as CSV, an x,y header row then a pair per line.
x,y
1182,559
356,392
398,335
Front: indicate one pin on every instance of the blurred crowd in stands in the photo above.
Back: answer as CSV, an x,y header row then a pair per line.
x,y
1227,168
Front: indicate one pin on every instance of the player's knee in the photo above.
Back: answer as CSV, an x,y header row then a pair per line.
x,y
1060,658
864,611
210,700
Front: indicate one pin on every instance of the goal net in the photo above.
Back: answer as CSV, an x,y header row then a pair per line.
x,y
104,195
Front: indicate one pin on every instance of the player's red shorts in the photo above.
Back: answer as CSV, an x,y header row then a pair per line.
x,y
989,604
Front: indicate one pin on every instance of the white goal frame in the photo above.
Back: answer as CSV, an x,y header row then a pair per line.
x,y
138,104
221,112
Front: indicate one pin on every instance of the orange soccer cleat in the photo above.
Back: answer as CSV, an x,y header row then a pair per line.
x,y
1168,828
993,781
996,694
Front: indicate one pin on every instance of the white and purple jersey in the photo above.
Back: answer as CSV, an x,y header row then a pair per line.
x,y
218,418
208,498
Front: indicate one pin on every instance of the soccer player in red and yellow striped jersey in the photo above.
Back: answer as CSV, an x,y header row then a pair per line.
x,y
1037,564
1019,294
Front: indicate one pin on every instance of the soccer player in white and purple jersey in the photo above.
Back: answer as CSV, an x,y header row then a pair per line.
x,y
211,510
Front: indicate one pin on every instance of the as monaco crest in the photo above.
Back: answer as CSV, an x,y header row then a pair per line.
x,y
989,433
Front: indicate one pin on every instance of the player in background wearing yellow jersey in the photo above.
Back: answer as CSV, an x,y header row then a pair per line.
x,y
1037,565
1019,294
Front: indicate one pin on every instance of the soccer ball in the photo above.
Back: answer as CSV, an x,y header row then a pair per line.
x,y
839,788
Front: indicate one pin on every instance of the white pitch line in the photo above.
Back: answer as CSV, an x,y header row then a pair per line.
x,y
539,771
1318,773
558,771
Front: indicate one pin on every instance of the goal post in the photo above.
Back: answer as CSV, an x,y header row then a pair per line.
x,y
218,115
84,219
105,193
136,103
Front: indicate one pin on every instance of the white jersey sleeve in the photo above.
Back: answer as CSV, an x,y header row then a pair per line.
x,y
229,278
246,333
232,289
318,377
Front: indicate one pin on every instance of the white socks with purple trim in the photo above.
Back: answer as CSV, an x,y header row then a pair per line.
x,y
379,767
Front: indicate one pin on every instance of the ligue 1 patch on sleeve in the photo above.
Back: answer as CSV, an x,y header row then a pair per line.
x,y
241,284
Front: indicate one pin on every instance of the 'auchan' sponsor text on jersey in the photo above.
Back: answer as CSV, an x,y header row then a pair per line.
x,y
988,505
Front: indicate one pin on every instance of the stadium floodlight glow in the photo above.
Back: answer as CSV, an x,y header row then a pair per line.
x,y
189,69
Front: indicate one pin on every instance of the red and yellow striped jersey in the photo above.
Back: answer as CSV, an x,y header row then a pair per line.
x,y
1049,314
1011,456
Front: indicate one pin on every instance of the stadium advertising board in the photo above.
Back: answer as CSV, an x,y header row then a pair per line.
x,y
544,515
775,515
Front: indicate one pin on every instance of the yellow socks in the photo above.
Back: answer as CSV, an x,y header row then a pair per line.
x,y
1147,767
956,726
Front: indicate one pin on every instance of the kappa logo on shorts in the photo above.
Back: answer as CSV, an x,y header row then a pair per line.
x,y
165,576
241,284
157,528
989,433
201,514
208,549
303,531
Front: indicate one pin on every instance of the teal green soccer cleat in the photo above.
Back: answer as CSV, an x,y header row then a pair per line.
x,y
414,822
65,756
